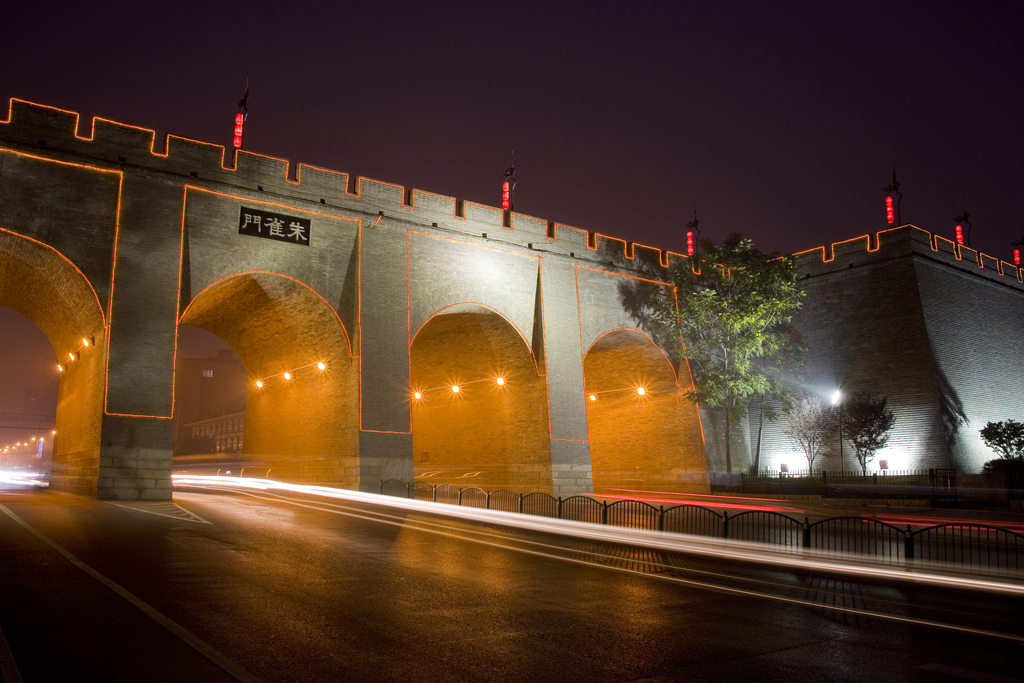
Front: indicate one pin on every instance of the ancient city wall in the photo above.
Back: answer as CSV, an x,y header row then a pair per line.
x,y
903,313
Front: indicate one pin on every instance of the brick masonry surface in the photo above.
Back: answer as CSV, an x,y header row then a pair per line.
x,y
105,236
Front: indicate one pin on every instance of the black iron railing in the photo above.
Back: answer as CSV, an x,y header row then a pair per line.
x,y
962,546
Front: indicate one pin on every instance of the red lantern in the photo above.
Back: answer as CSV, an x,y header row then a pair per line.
x,y
889,216
1016,257
960,235
239,120
504,195
689,244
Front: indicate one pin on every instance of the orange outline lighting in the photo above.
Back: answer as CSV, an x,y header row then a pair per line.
x,y
579,304
240,273
88,284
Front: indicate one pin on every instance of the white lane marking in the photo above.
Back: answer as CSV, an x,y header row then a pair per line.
x,y
163,509
671,579
968,674
213,655
8,668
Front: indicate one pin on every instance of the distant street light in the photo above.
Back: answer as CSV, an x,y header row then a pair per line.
x,y
837,400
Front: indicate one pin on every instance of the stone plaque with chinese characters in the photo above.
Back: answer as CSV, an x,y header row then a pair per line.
x,y
274,226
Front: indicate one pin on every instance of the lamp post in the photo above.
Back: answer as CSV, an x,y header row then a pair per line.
x,y
837,400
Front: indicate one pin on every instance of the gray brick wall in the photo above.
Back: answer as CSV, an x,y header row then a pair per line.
x,y
902,314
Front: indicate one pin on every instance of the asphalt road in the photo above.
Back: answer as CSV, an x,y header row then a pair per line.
x,y
227,586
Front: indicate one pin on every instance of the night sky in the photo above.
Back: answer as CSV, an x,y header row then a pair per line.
x,y
779,120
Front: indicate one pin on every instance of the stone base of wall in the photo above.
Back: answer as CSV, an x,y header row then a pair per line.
x,y
76,472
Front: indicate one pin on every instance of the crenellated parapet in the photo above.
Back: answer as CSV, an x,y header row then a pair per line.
x,y
905,241
56,132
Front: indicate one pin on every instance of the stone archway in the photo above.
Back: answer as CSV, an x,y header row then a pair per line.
x,y
493,432
44,286
302,404
644,433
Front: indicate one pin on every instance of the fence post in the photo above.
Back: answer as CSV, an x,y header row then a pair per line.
x,y
807,532
520,503
908,544
824,483
604,512
725,524
661,518
487,501
558,509
433,493
460,497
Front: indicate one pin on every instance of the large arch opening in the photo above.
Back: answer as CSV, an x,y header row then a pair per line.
x,y
29,380
210,388
42,285
493,430
645,435
301,415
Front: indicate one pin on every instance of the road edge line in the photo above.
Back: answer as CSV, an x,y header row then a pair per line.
x,y
174,627
8,667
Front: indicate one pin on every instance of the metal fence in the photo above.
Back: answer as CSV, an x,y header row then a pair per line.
x,y
937,485
967,547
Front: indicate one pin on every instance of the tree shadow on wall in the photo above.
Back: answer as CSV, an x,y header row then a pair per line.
x,y
635,297
950,407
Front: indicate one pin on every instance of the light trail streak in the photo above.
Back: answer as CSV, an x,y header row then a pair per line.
x,y
727,549
420,525
21,478
429,527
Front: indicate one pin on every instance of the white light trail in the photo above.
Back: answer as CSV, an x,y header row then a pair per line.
x,y
21,478
562,554
655,540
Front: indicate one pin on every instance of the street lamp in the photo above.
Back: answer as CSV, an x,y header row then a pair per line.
x,y
837,400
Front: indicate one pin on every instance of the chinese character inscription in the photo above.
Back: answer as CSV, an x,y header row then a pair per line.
x,y
274,226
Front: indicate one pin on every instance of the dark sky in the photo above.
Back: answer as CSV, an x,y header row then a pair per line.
x,y
779,120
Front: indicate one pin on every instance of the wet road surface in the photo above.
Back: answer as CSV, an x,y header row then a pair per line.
x,y
227,586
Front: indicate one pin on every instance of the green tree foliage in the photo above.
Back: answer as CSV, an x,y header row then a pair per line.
x,y
809,426
867,423
731,315
1006,438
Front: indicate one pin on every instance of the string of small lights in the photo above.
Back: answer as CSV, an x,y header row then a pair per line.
x,y
501,382
288,375
77,353
640,391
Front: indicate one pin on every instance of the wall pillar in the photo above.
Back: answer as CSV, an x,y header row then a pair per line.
x,y
136,439
385,430
571,471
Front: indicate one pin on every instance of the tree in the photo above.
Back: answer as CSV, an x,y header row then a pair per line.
x,y
867,423
1006,438
810,426
731,314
